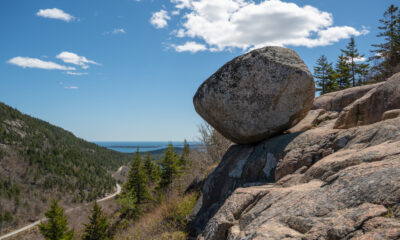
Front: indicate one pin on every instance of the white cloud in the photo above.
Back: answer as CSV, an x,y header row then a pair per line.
x,y
73,58
180,33
328,36
55,13
176,12
356,60
76,73
190,47
116,31
159,19
27,62
360,59
180,4
246,24
71,87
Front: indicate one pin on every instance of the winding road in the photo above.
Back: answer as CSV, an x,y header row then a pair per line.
x,y
27,227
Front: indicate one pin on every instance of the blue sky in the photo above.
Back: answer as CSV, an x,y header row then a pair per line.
x,y
126,70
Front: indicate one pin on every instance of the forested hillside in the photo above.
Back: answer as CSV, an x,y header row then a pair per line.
x,y
39,161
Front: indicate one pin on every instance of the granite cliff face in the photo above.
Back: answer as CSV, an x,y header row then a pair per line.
x,y
335,175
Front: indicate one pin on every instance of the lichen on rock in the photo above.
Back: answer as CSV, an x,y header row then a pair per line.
x,y
257,95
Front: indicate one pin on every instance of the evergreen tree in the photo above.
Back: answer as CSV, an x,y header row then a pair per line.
x,y
150,168
185,154
324,74
157,172
169,166
129,205
363,72
352,56
97,228
387,54
137,180
342,72
56,226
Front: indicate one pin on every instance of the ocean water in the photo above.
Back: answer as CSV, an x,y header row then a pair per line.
x,y
130,147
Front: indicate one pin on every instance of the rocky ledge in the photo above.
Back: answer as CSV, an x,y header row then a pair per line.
x,y
335,175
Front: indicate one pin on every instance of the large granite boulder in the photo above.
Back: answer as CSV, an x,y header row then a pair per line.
x,y
257,95
371,107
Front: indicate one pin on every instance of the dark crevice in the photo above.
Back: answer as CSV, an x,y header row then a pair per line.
x,y
250,204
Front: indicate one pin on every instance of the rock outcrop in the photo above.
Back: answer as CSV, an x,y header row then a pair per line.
x,y
391,114
336,101
370,108
311,119
321,183
257,95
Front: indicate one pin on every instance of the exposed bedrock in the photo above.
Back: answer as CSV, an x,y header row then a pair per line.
x,y
371,107
318,182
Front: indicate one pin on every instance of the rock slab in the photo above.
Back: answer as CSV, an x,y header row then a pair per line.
x,y
395,113
371,107
337,101
329,184
257,95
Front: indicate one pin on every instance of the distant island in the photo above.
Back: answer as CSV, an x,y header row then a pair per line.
x,y
145,146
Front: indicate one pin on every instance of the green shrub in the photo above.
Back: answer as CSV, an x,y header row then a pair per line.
x,y
178,235
176,214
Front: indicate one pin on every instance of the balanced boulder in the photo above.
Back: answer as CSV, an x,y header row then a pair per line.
x,y
257,95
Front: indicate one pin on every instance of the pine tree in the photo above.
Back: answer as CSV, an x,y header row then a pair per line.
x,y
324,74
363,72
169,166
387,54
128,202
150,168
185,154
137,180
342,72
56,226
352,56
98,226
157,172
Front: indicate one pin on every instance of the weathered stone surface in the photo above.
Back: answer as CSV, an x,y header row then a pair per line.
x,y
327,116
379,228
370,108
311,210
322,183
336,101
344,195
325,178
257,95
391,114
314,154
310,121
